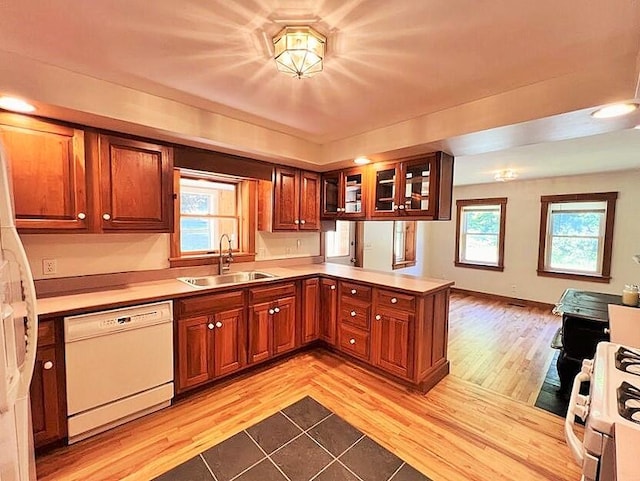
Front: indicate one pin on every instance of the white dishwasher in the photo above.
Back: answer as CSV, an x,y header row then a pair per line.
x,y
119,366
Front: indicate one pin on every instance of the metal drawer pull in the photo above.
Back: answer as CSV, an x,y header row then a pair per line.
x,y
333,288
353,291
48,365
378,317
394,300
82,216
352,341
218,324
353,313
271,311
277,309
210,325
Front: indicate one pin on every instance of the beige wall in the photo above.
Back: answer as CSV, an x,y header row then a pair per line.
x,y
521,240
86,254
378,248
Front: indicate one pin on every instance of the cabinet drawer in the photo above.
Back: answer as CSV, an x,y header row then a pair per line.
x,y
46,333
356,314
395,300
354,341
209,303
349,290
266,294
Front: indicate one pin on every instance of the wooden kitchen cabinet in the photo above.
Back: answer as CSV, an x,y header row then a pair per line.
x,y
272,321
47,163
290,202
133,184
344,194
211,337
48,400
328,310
391,341
310,310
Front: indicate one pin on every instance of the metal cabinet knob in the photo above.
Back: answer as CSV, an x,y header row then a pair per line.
x,y
607,330
395,207
378,317
353,291
303,221
210,325
271,311
277,309
82,216
333,288
218,324
352,341
48,365
401,207
106,216
394,300
296,222
353,313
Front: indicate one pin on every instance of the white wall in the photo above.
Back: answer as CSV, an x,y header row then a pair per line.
x,y
378,248
521,237
86,254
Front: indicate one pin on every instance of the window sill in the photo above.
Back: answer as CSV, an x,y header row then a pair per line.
x,y
208,259
577,277
402,265
485,267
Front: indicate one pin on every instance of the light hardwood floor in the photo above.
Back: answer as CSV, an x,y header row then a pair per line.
x,y
458,431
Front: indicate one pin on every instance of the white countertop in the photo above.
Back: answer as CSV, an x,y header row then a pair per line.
x,y
171,288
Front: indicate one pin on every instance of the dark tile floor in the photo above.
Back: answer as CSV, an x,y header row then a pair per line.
x,y
303,442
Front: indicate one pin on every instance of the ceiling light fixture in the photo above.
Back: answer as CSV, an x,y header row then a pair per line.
x,y
614,110
505,175
299,51
362,161
16,105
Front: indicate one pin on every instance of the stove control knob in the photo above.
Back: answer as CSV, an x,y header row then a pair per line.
x,y
587,366
582,400
582,411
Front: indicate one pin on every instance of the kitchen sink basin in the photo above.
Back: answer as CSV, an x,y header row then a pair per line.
x,y
235,278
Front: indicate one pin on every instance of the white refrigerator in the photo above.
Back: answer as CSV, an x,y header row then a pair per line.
x,y
18,338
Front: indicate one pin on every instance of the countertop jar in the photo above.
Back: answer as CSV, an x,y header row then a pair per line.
x,y
630,295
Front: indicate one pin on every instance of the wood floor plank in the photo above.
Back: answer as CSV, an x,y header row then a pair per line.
x,y
463,429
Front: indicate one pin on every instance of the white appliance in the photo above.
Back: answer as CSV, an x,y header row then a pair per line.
x,y
624,325
18,339
611,446
119,366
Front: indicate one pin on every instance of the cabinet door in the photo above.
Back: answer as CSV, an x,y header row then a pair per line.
x,y
284,325
48,172
195,363
386,181
392,342
136,185
260,339
310,310
331,190
229,347
309,201
418,194
328,310
286,197
47,414
354,194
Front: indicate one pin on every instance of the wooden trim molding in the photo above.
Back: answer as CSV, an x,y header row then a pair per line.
x,y
608,197
460,204
496,297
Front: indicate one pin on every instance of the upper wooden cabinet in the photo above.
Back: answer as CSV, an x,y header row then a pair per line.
x,y
344,194
135,184
290,202
47,164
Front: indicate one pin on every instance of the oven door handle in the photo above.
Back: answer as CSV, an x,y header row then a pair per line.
x,y
575,445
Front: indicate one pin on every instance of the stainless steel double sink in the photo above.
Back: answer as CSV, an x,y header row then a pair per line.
x,y
235,278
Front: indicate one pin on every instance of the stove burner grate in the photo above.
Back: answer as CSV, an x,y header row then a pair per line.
x,y
629,402
628,360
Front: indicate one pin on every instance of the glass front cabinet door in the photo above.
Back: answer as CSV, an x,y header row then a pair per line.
x,y
385,201
416,194
343,194
331,203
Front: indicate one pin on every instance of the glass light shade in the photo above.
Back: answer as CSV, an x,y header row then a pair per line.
x,y
299,51
505,175
614,110
15,104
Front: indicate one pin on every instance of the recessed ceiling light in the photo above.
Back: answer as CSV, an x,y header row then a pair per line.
x,y
505,175
362,161
614,110
15,104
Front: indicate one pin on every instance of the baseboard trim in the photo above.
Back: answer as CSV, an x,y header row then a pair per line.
x,y
509,300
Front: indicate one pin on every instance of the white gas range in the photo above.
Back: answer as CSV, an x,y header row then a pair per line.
x,y
611,447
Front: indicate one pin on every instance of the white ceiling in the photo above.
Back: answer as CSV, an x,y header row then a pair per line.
x,y
389,65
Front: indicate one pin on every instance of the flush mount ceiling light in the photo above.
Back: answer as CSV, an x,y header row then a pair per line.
x,y
505,175
361,161
16,105
299,51
614,110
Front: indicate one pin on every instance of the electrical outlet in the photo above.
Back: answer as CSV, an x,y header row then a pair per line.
x,y
513,289
49,266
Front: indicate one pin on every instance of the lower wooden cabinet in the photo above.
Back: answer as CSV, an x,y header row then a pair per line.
x,y
392,342
310,310
48,405
328,310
